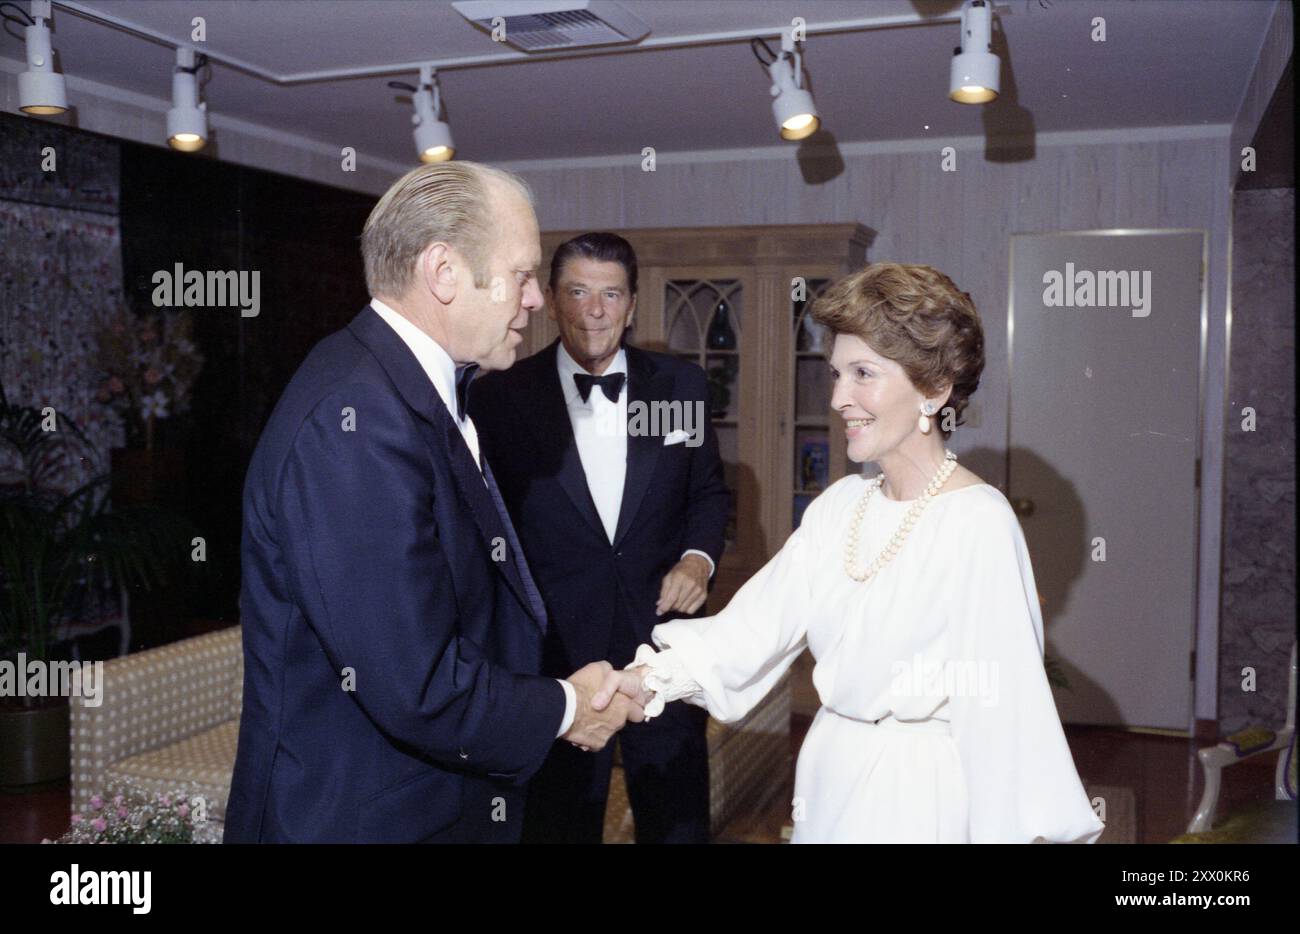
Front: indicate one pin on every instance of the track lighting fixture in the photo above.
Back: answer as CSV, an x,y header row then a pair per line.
x,y
433,140
41,90
975,69
792,104
187,121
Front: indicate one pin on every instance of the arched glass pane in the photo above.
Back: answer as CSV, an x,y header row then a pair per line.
x,y
702,323
684,330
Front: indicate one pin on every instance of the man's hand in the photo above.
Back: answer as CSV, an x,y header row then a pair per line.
x,y
685,586
627,683
594,725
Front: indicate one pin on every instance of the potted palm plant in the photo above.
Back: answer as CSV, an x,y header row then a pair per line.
x,y
54,545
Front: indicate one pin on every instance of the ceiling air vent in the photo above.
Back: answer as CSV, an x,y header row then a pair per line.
x,y
546,25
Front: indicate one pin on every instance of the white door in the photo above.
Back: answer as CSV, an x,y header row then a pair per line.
x,y
1106,336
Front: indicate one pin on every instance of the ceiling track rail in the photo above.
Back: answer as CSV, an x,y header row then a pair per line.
x,y
477,61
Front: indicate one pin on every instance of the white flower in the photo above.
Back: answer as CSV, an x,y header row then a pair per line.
x,y
154,406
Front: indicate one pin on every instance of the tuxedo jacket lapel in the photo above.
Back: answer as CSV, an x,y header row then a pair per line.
x,y
646,384
414,386
554,432
491,521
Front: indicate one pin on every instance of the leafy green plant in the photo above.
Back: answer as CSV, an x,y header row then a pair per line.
x,y
55,544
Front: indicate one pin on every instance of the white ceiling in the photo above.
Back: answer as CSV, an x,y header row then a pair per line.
x,y
1165,63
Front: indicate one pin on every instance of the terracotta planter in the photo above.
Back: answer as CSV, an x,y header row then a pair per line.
x,y
148,478
34,745
142,477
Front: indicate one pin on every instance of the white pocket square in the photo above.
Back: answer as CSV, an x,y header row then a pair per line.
x,y
676,436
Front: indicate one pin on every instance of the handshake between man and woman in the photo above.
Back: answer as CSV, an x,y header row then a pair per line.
x,y
607,700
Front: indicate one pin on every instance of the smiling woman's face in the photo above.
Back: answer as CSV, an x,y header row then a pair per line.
x,y
592,305
874,396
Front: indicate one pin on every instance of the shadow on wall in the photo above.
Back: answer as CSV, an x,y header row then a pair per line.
x,y
819,158
1058,552
1009,129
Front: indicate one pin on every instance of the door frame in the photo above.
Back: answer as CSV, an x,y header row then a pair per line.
x,y
1200,412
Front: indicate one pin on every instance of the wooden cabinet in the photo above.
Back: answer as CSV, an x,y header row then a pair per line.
x,y
734,301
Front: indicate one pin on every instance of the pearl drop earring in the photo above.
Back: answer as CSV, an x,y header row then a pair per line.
x,y
923,423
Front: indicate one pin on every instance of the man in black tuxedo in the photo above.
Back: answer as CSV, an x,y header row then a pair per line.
x,y
610,470
392,630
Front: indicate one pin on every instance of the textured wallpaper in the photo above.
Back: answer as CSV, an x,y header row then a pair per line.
x,y
1259,572
61,275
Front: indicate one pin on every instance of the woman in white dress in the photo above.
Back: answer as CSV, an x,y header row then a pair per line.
x,y
913,591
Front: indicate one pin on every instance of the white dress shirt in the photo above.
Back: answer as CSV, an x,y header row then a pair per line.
x,y
441,369
600,432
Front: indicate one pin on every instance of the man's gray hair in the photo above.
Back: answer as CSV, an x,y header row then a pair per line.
x,y
442,201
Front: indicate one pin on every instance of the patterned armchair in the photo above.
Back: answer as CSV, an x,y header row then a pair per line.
x,y
169,717
1272,822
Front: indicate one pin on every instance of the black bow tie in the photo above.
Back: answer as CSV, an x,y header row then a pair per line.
x,y
610,384
464,374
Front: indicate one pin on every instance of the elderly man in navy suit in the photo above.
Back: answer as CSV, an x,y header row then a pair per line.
x,y
622,514
392,629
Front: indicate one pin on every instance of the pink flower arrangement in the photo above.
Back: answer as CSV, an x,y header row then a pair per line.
x,y
136,815
149,364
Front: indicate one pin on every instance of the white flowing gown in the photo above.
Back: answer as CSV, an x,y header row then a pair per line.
x,y
937,721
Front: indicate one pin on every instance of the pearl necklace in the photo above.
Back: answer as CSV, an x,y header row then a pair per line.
x,y
896,542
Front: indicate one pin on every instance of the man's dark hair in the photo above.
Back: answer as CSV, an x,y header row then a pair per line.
x,y
602,247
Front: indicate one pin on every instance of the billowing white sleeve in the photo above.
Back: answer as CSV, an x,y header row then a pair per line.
x,y
1022,786
727,663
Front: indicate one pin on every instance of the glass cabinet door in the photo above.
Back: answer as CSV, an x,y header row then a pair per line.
x,y
815,448
816,452
704,320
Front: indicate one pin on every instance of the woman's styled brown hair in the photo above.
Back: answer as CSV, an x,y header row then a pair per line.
x,y
917,317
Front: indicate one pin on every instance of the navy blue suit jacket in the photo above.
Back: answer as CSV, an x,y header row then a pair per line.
x,y
391,691
601,596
